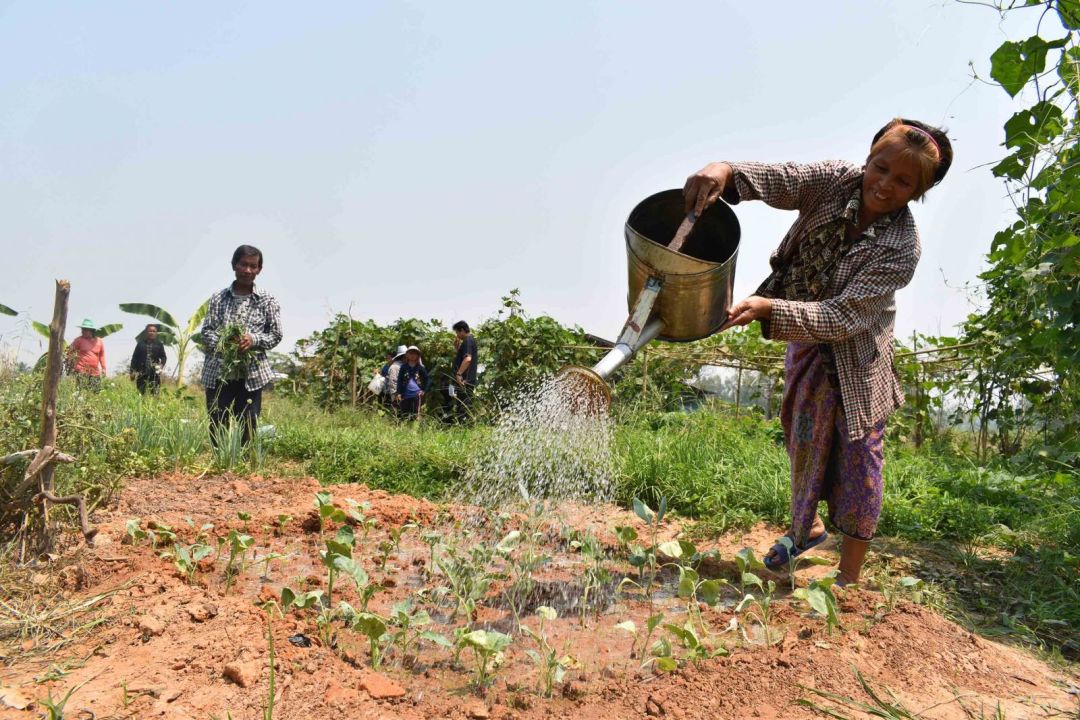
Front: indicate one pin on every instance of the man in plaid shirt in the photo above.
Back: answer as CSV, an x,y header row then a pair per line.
x,y
831,297
234,375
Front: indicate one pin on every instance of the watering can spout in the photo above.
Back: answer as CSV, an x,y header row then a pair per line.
x,y
639,330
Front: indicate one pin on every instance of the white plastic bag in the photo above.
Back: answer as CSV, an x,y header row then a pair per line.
x,y
377,384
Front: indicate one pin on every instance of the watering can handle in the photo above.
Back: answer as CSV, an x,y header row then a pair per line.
x,y
683,232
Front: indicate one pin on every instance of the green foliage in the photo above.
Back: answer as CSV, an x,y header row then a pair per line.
x,y
487,647
1028,344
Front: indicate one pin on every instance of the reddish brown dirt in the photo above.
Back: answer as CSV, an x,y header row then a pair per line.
x,y
164,648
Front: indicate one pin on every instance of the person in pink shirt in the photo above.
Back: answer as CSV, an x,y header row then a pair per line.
x,y
86,355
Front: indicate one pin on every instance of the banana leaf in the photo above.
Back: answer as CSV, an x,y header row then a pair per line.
x,y
5,310
196,320
107,330
152,310
42,328
165,336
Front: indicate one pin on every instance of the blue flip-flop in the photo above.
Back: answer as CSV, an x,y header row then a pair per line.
x,y
781,557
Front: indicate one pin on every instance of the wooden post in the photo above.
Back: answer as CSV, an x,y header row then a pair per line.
x,y
352,385
54,367
738,388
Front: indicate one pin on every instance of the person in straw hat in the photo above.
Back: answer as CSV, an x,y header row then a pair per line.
x,y
412,383
390,388
86,355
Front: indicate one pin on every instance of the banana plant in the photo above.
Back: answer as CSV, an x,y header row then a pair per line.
x,y
5,310
172,333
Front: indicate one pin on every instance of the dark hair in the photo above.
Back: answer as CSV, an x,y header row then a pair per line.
x,y
246,251
918,135
461,325
151,325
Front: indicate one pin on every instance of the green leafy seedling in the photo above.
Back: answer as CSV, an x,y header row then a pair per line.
x,y
820,597
487,647
373,628
134,530
337,550
301,601
759,608
186,558
795,561
324,504
748,564
696,649
281,521
551,667
358,514
238,544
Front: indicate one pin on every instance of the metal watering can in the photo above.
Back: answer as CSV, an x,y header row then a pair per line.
x,y
677,296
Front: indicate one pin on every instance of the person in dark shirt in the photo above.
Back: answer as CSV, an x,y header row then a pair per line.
x,y
464,369
412,383
147,361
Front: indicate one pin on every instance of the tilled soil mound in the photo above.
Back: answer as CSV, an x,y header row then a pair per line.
x,y
136,640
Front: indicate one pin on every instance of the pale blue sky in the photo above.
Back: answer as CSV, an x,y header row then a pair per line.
x,y
421,159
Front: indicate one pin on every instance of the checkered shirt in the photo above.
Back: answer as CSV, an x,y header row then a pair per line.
x,y
260,314
857,311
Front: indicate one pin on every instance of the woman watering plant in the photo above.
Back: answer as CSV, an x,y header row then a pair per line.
x,y
831,297
242,323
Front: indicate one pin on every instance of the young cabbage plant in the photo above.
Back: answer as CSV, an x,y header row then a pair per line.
x,y
642,558
238,544
519,550
759,608
551,667
819,596
358,514
696,649
596,576
324,504
431,539
186,558
468,578
409,625
280,522
748,564
301,601
373,628
630,628
794,562
337,550
134,531
487,647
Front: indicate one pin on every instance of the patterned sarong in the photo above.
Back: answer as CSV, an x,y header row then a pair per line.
x,y
825,464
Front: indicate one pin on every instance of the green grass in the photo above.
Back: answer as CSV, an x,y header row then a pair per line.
x,y
1001,545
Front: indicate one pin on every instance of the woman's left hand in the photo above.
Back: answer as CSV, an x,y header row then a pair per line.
x,y
747,311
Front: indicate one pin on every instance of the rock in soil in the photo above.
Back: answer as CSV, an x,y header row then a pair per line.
x,y
151,626
380,687
244,674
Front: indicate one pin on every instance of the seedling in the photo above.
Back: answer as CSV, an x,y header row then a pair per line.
x,y
385,547
301,601
522,560
595,576
630,628
338,550
238,546
409,624
186,558
202,533
266,560
487,647
135,533
269,607
748,564
324,503
468,578
358,514
640,557
374,628
160,534
892,592
431,539
696,649
819,596
552,668
796,560
281,522
759,608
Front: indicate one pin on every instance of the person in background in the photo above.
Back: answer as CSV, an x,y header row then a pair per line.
x,y
234,376
412,383
390,390
86,356
831,296
465,364
147,361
